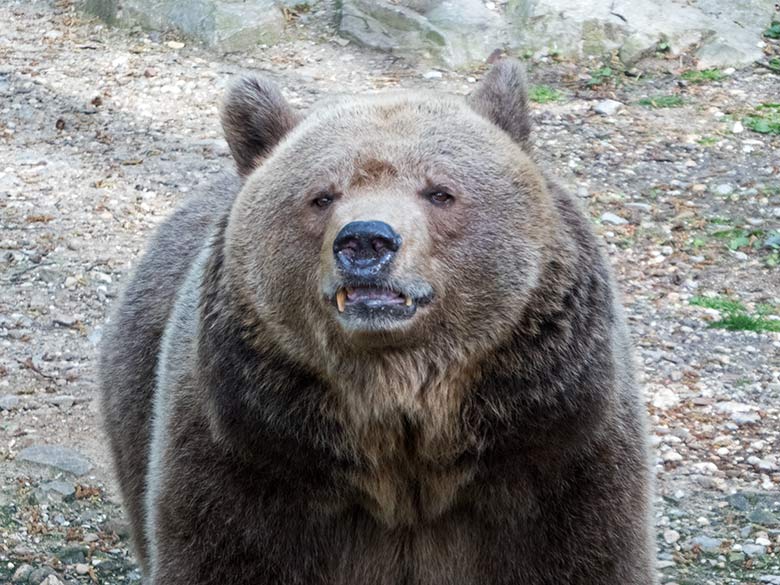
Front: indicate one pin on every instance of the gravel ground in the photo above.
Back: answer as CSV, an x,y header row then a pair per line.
x,y
102,132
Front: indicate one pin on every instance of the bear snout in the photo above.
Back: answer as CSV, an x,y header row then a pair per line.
x,y
365,249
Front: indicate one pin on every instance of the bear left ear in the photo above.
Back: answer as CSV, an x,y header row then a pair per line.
x,y
501,98
255,117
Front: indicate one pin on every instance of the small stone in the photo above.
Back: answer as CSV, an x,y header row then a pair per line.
x,y
175,45
753,550
432,74
61,458
770,579
63,400
763,518
724,189
608,107
671,536
82,569
22,574
707,544
71,282
9,402
745,418
738,128
671,456
763,541
59,488
66,320
611,218
665,398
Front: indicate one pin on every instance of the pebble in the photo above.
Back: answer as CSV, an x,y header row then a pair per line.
x,y
175,45
611,218
9,402
82,569
432,74
671,456
753,550
707,544
724,189
671,536
51,580
58,487
61,458
22,574
608,107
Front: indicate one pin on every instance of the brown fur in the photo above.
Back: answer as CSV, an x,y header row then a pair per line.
x,y
494,436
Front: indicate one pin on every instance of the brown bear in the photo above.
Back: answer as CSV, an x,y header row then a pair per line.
x,y
387,352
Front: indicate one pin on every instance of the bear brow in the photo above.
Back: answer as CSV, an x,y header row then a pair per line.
x,y
370,171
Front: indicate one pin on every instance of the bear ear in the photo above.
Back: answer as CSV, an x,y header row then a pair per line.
x,y
501,98
255,117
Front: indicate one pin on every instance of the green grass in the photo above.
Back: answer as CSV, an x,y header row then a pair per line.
x,y
740,238
774,64
662,101
708,140
600,76
735,317
703,76
765,120
773,32
542,94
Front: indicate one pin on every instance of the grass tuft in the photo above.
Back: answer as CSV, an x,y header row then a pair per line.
x,y
735,316
662,101
703,76
765,120
542,94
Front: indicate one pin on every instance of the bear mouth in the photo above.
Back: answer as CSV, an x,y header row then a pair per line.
x,y
376,303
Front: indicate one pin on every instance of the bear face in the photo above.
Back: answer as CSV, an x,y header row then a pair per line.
x,y
391,242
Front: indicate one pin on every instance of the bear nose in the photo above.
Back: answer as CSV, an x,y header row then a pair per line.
x,y
365,248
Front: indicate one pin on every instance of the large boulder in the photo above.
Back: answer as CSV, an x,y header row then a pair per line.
x,y
462,32
453,32
228,25
719,33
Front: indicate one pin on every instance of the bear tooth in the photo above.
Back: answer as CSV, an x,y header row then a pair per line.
x,y
408,301
341,299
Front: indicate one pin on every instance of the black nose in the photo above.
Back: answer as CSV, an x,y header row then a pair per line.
x,y
365,248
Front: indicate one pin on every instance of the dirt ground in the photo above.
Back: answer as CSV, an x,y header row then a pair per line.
x,y
103,132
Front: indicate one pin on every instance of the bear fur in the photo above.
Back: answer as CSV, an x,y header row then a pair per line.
x,y
264,434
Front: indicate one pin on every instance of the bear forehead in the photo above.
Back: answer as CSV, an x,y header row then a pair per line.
x,y
402,115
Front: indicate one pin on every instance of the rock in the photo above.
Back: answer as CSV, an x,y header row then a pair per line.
x,y
51,580
70,555
671,456
611,218
738,128
725,34
9,402
21,574
40,575
225,25
723,189
432,74
771,579
82,569
671,536
63,400
707,544
59,489
739,501
754,550
763,518
665,398
607,107
61,458
454,32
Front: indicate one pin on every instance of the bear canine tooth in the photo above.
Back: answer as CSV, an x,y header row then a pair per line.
x,y
408,301
341,299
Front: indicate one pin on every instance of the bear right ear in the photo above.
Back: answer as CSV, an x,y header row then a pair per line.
x,y
255,117
501,97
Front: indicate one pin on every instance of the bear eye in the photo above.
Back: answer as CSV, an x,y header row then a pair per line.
x,y
440,197
323,200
